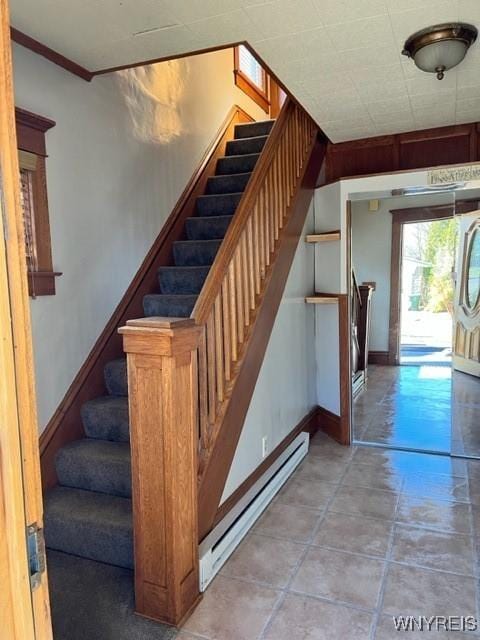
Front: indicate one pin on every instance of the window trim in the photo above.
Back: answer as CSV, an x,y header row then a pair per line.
x,y
31,130
243,82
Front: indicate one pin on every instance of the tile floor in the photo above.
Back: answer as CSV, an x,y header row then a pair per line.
x,y
355,536
424,407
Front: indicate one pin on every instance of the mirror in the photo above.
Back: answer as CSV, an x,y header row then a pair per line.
x,y
473,271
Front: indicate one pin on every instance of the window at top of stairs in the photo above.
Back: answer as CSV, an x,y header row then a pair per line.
x,y
251,77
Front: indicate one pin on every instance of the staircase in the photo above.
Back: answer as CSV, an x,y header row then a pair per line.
x,y
88,516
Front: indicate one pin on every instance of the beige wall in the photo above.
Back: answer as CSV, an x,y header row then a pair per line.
x,y
122,151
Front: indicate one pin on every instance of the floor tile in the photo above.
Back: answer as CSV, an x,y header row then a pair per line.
x,y
230,609
303,618
324,470
366,502
435,514
437,486
265,560
340,576
434,549
288,521
353,533
306,492
365,475
413,591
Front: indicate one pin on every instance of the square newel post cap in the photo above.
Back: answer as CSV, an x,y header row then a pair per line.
x,y
160,336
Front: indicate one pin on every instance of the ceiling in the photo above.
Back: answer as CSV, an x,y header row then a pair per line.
x,y
340,58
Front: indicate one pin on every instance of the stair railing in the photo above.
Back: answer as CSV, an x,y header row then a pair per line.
x,y
227,305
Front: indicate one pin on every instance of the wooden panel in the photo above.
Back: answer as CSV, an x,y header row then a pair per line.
x,y
164,442
23,615
65,425
412,150
378,357
329,423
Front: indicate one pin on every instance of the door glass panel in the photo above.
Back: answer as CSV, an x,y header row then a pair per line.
x,y
473,271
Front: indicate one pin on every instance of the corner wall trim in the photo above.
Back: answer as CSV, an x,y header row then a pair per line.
x,y
42,50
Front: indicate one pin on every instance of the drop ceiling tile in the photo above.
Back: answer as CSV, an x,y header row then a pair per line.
x,y
400,6
469,11
436,99
303,45
397,105
467,75
224,29
394,121
376,91
336,11
390,73
427,83
194,10
360,33
371,57
470,91
464,117
406,23
468,104
283,17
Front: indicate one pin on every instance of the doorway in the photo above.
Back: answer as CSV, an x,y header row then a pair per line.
x,y
427,292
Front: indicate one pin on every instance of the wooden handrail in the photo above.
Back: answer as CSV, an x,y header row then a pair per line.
x,y
232,293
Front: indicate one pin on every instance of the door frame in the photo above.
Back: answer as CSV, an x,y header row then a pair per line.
x,y
25,614
399,218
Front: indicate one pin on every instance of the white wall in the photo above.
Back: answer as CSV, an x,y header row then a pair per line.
x,y
123,148
285,390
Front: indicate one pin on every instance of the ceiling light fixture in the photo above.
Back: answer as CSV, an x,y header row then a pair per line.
x,y
439,48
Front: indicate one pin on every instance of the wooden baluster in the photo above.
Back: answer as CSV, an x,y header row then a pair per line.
x,y
246,280
266,229
220,372
205,441
239,294
162,367
271,210
297,143
211,370
261,236
233,311
281,181
256,249
227,340
277,188
250,261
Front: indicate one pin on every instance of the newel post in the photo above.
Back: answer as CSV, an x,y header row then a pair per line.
x,y
162,389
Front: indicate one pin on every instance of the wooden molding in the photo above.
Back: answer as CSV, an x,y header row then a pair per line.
x,y
330,424
344,330
162,363
55,57
378,357
458,144
220,460
308,423
31,129
328,236
65,425
323,298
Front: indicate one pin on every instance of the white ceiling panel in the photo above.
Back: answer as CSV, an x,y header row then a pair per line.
x,y
341,58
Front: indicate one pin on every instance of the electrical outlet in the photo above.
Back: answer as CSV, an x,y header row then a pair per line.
x,y
264,446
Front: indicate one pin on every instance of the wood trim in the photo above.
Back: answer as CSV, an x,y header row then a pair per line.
x,y
308,423
378,357
24,615
42,50
330,423
399,218
243,82
65,424
345,369
220,460
327,236
323,298
42,283
31,129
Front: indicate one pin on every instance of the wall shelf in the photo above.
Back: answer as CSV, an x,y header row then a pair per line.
x,y
323,237
322,298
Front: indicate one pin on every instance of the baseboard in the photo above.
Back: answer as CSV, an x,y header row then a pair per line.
x,y
331,424
378,357
309,423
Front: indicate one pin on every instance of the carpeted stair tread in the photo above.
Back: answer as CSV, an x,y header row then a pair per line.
x,y
233,183
95,601
242,163
207,227
176,306
195,253
90,525
250,129
245,145
106,418
182,280
223,204
96,465
115,375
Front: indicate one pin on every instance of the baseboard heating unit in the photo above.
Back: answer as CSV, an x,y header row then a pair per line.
x,y
222,541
